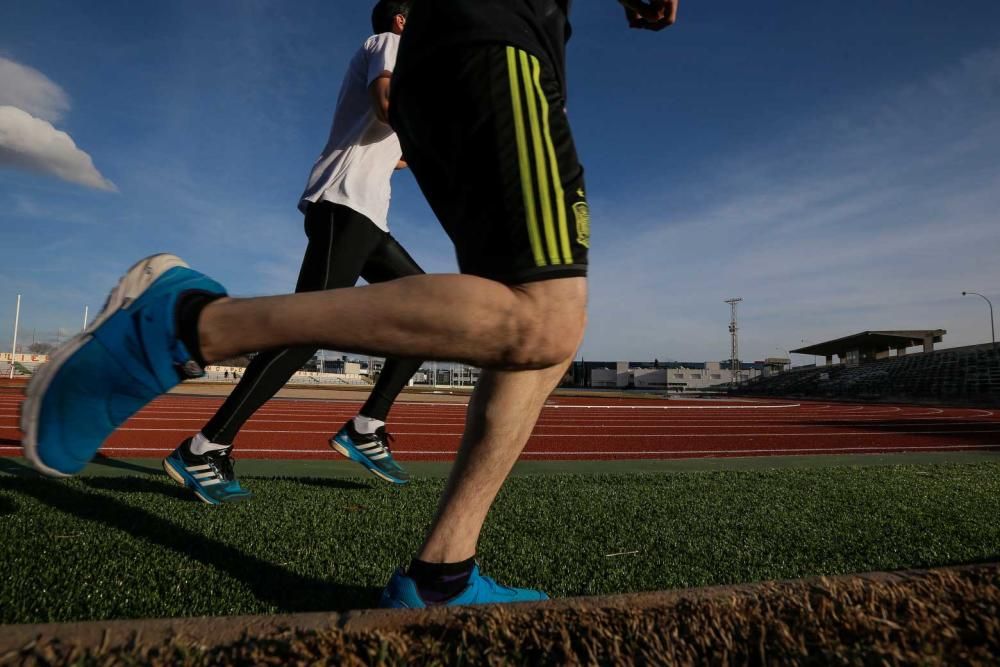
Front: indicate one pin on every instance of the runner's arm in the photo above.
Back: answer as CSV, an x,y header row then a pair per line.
x,y
378,91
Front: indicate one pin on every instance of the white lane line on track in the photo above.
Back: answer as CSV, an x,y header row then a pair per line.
x,y
604,426
804,412
799,415
328,417
315,405
623,407
609,429
659,419
622,454
810,434
557,406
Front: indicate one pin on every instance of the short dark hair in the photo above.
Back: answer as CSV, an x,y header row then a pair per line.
x,y
384,13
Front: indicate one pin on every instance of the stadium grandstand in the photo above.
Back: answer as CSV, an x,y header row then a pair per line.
x,y
875,365
672,376
869,346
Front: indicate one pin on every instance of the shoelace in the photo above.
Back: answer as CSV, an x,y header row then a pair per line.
x,y
385,437
222,464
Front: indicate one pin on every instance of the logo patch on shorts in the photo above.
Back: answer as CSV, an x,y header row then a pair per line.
x,y
582,212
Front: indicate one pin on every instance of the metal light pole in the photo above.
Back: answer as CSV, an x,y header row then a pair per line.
x,y
17,319
993,333
734,353
86,312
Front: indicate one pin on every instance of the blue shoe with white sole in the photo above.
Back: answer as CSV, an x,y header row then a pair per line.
x,y
371,450
102,376
401,593
210,475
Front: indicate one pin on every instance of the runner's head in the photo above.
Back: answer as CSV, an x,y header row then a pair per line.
x,y
390,16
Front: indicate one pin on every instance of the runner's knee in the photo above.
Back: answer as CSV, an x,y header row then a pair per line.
x,y
548,326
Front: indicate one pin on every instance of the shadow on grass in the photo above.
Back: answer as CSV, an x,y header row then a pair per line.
x,y
270,583
160,487
18,469
7,506
330,483
102,460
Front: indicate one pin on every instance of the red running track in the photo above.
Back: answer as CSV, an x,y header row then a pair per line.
x,y
569,428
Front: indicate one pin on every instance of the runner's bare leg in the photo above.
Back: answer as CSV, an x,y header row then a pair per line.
x,y
440,317
501,416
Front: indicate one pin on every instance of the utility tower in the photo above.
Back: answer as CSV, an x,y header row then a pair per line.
x,y
734,355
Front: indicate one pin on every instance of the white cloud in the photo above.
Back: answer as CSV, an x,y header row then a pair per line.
x,y
34,144
31,91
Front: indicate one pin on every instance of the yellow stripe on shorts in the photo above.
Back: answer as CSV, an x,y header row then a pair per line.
x,y
545,196
527,187
554,166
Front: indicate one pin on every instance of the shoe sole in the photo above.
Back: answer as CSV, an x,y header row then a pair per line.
x,y
365,463
177,477
136,280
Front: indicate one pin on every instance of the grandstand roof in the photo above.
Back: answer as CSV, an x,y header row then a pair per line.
x,y
872,340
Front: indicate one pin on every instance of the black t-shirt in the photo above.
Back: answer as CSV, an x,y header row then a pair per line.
x,y
540,27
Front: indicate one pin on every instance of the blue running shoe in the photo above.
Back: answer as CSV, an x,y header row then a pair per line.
x,y
102,376
370,450
209,475
401,593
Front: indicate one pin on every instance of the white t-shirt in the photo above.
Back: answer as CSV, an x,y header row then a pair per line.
x,y
362,151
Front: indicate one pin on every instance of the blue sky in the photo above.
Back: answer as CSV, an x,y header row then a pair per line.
x,y
833,164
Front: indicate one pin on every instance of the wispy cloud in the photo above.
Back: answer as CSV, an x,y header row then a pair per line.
x,y
874,215
29,103
31,91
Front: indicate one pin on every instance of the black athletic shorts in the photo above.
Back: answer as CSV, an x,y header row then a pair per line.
x,y
484,129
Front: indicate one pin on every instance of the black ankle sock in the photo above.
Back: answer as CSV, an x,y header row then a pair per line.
x,y
188,310
437,582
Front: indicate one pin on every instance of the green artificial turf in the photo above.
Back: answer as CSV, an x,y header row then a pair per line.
x,y
139,546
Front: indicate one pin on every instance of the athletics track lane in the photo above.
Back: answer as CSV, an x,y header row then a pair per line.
x,y
569,428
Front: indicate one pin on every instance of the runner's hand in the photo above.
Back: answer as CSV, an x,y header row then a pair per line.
x,y
652,15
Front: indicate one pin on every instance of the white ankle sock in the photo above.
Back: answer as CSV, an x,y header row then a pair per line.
x,y
201,445
366,425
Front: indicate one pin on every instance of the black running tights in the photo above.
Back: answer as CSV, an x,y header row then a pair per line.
x,y
343,246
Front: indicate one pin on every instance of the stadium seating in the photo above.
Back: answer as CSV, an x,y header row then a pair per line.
x,y
957,374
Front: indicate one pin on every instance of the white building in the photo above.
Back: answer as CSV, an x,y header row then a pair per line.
x,y
673,377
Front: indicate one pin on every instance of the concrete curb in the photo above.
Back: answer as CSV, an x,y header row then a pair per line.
x,y
211,631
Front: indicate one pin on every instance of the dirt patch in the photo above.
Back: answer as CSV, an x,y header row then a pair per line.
x,y
927,617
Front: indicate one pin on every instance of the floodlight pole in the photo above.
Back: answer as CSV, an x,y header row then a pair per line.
x,y
17,320
993,333
734,356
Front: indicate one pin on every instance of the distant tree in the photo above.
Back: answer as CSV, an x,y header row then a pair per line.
x,y
656,363
41,348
